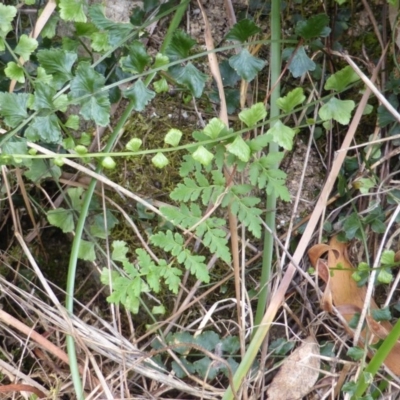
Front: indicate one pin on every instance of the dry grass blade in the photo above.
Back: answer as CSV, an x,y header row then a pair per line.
x,y
106,342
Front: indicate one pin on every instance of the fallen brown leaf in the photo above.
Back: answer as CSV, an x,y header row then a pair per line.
x,y
348,297
298,373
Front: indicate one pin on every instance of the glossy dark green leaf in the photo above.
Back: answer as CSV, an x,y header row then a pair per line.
x,y
301,63
137,59
246,65
46,129
58,63
86,87
243,30
180,46
13,108
315,26
190,77
140,94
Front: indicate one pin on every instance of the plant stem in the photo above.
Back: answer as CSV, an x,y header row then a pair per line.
x,y
262,324
85,209
270,217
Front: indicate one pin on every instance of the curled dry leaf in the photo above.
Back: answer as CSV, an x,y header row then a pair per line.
x,y
347,296
298,373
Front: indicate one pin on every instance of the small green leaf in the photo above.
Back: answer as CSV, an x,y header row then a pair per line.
x,y
388,258
139,94
100,41
15,72
160,61
364,184
203,156
173,137
134,144
42,77
250,116
282,135
242,30
158,310
383,314
49,30
86,251
61,218
159,160
7,14
72,10
291,100
246,65
161,86
300,63
42,169
339,110
341,79
72,122
355,353
137,59
190,77
315,26
240,149
26,46
214,127
385,276
108,163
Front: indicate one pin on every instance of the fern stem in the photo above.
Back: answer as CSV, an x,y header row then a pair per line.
x,y
261,331
85,209
270,217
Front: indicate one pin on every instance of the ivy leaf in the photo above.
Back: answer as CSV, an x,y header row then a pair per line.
x,y
203,156
315,26
190,77
88,84
341,79
61,218
86,251
46,129
42,169
339,110
26,46
137,59
300,63
43,98
116,31
243,30
228,74
246,65
15,72
250,116
240,149
159,160
140,94
72,10
282,135
7,14
13,108
57,63
291,100
180,46
173,137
